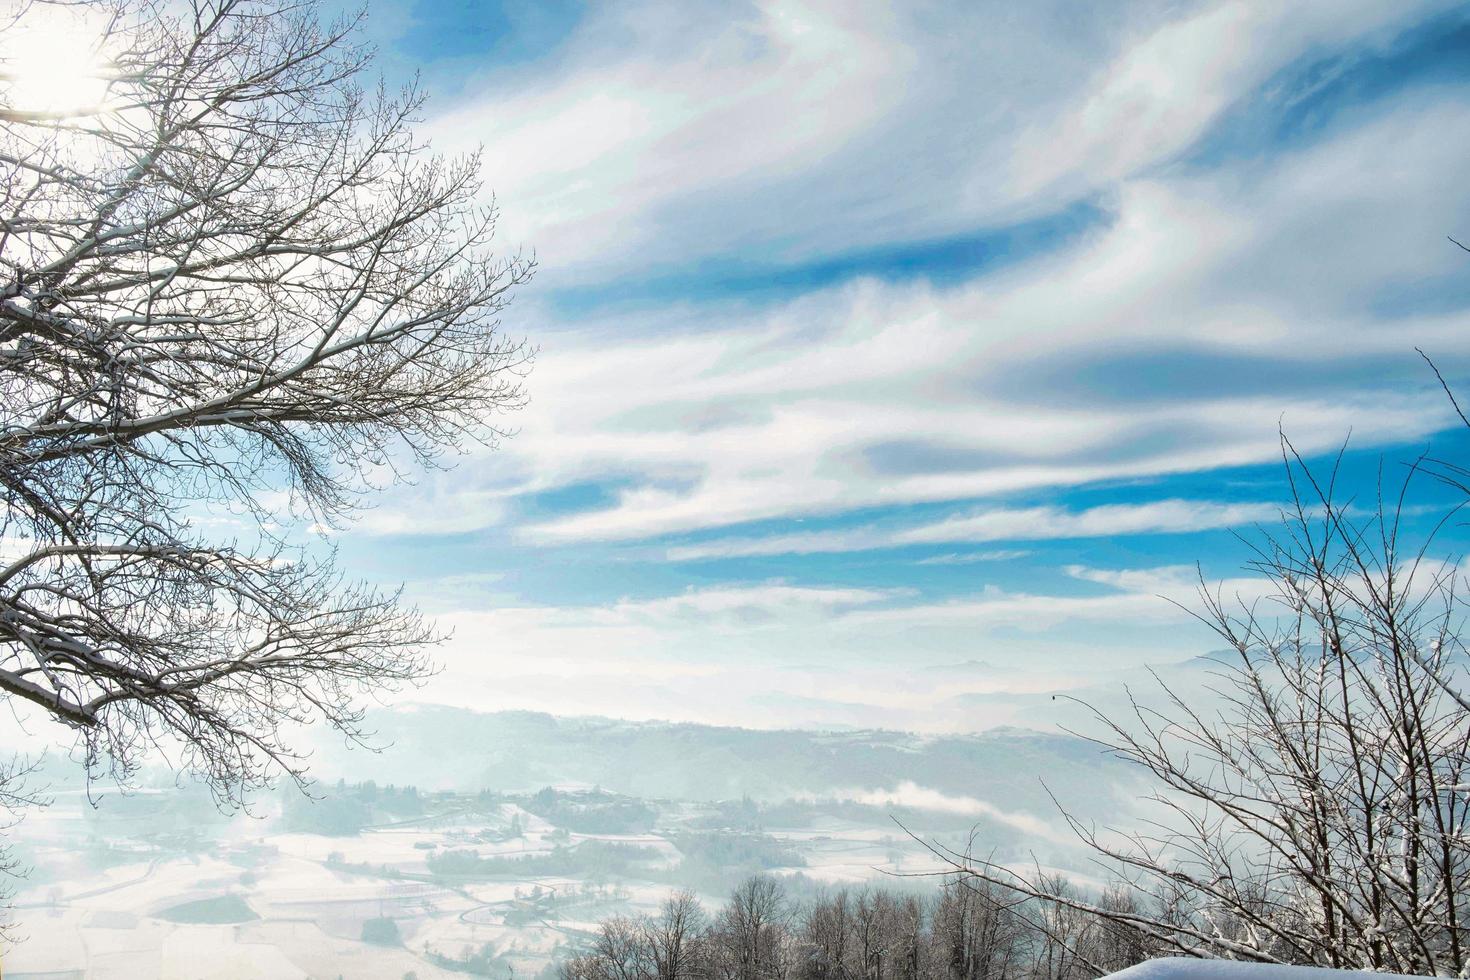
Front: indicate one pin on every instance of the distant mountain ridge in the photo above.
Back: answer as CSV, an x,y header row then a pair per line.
x,y
439,747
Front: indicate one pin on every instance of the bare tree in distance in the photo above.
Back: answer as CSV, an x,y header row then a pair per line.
x,y
668,945
672,935
236,294
1316,813
964,930
751,937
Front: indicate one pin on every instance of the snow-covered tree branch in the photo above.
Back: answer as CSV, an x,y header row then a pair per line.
x,y
234,293
1315,812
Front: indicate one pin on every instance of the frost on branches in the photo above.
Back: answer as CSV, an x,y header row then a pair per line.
x,y
235,293
1314,811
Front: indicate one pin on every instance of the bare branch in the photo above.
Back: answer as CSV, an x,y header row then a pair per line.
x,y
238,293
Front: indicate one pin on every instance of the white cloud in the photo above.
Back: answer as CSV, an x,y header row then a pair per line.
x,y
440,507
1161,91
1217,302
654,139
911,795
871,394
971,558
998,609
998,524
1039,523
590,164
1147,581
868,395
779,655
809,543
743,607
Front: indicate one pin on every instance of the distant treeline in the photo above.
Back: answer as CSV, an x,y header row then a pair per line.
x,y
709,861
593,812
590,858
963,930
349,807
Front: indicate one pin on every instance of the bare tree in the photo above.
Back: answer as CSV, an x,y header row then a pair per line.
x,y
971,931
751,936
1112,944
826,931
1316,813
235,294
622,951
977,933
666,946
672,936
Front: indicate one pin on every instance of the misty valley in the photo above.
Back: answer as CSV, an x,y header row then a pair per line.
x,y
468,874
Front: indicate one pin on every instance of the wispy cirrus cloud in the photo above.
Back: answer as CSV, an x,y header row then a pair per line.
x,y
1000,524
662,138
597,163
1202,309
1160,92
1041,523
974,557
1176,340
942,283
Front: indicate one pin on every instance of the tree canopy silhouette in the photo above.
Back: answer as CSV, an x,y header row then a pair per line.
x,y
236,294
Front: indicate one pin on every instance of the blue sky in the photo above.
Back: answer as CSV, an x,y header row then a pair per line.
x,y
876,338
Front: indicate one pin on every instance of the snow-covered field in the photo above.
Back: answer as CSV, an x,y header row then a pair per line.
x,y
296,902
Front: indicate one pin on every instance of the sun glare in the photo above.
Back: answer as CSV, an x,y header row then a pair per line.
x,y
51,68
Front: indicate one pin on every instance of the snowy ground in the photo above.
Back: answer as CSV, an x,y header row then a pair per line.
x,y
307,896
